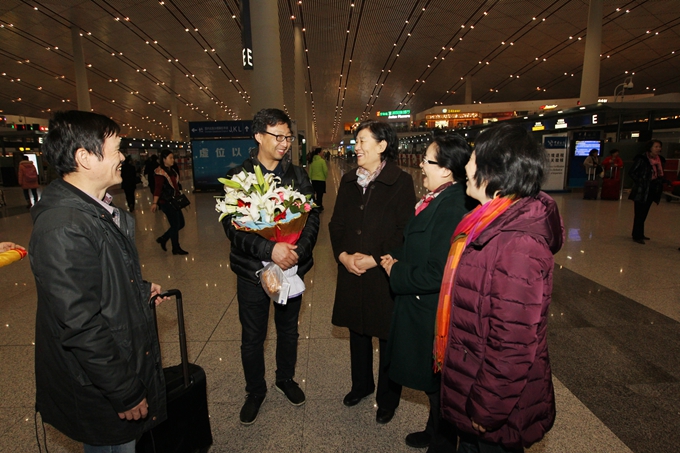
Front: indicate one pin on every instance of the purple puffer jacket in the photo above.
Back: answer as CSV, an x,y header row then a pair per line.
x,y
496,368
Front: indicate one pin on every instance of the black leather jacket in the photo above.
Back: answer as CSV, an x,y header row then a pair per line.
x,y
96,349
248,250
644,187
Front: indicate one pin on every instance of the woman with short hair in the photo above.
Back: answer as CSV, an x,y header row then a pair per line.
x,y
415,271
373,204
492,319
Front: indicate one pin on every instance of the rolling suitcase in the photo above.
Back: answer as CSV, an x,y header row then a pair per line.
x,y
187,428
611,185
591,186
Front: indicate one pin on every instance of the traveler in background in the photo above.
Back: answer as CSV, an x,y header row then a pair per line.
x,y
28,180
318,171
272,132
592,164
129,174
415,271
150,167
166,186
373,205
98,371
647,176
613,164
495,298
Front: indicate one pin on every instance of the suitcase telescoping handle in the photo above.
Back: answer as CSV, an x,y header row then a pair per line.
x,y
180,323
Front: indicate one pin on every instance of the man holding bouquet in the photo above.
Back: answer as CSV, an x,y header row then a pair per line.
x,y
272,132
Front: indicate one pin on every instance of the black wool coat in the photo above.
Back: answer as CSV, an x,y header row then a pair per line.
x,y
371,223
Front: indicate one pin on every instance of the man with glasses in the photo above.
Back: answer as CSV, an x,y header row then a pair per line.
x,y
272,132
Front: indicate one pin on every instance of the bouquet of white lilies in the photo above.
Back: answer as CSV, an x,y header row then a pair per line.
x,y
259,204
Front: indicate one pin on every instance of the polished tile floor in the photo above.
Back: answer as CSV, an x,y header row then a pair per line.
x,y
614,337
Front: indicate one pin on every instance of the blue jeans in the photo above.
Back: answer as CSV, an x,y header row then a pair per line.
x,y
123,448
253,312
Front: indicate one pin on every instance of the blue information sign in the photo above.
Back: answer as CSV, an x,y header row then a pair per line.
x,y
214,158
220,129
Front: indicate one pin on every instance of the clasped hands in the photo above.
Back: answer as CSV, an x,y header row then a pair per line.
x,y
284,255
357,263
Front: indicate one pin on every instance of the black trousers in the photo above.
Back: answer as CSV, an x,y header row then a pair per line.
x,y
319,190
361,357
28,197
473,444
130,197
641,211
176,220
253,312
443,435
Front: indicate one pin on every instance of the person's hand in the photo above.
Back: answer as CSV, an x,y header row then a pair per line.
x,y
364,262
284,256
386,261
7,246
479,428
155,290
348,261
154,207
139,411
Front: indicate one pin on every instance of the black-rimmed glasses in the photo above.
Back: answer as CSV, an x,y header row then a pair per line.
x,y
280,138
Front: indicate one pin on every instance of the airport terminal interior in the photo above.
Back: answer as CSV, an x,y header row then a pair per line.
x,y
162,69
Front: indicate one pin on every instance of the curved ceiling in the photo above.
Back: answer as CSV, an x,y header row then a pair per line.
x,y
363,56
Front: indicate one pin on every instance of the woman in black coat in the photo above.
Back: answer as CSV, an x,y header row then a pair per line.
x,y
166,187
129,174
371,210
647,176
416,271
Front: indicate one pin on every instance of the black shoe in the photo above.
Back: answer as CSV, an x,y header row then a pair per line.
x,y
162,242
421,439
251,408
353,398
179,252
384,416
292,390
639,241
645,238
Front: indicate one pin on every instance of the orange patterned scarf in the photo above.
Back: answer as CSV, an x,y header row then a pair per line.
x,y
467,231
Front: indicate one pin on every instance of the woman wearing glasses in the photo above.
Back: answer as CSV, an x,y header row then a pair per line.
x,y
373,204
415,271
492,318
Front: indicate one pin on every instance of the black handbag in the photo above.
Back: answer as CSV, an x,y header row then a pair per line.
x,y
179,201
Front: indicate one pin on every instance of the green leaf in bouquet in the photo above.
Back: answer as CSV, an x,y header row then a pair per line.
x,y
229,183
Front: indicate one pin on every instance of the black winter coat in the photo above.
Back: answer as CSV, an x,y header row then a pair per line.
x,y
371,223
96,349
644,187
248,250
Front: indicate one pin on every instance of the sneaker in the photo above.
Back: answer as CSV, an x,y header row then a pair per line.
x,y
292,390
251,408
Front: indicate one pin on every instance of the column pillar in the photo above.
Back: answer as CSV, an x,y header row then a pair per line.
x,y
590,77
300,97
468,89
174,111
267,78
82,90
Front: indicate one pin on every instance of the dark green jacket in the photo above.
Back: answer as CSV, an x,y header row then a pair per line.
x,y
416,279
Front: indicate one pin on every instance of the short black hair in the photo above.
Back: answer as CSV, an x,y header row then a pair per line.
x,y
612,151
649,144
453,152
72,130
380,131
510,161
269,117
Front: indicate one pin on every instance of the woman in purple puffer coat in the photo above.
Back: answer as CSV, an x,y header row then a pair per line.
x,y
493,314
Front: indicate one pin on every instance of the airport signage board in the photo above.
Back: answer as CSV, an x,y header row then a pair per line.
x,y
556,147
212,159
220,129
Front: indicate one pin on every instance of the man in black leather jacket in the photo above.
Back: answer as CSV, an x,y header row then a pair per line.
x,y
98,369
272,131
